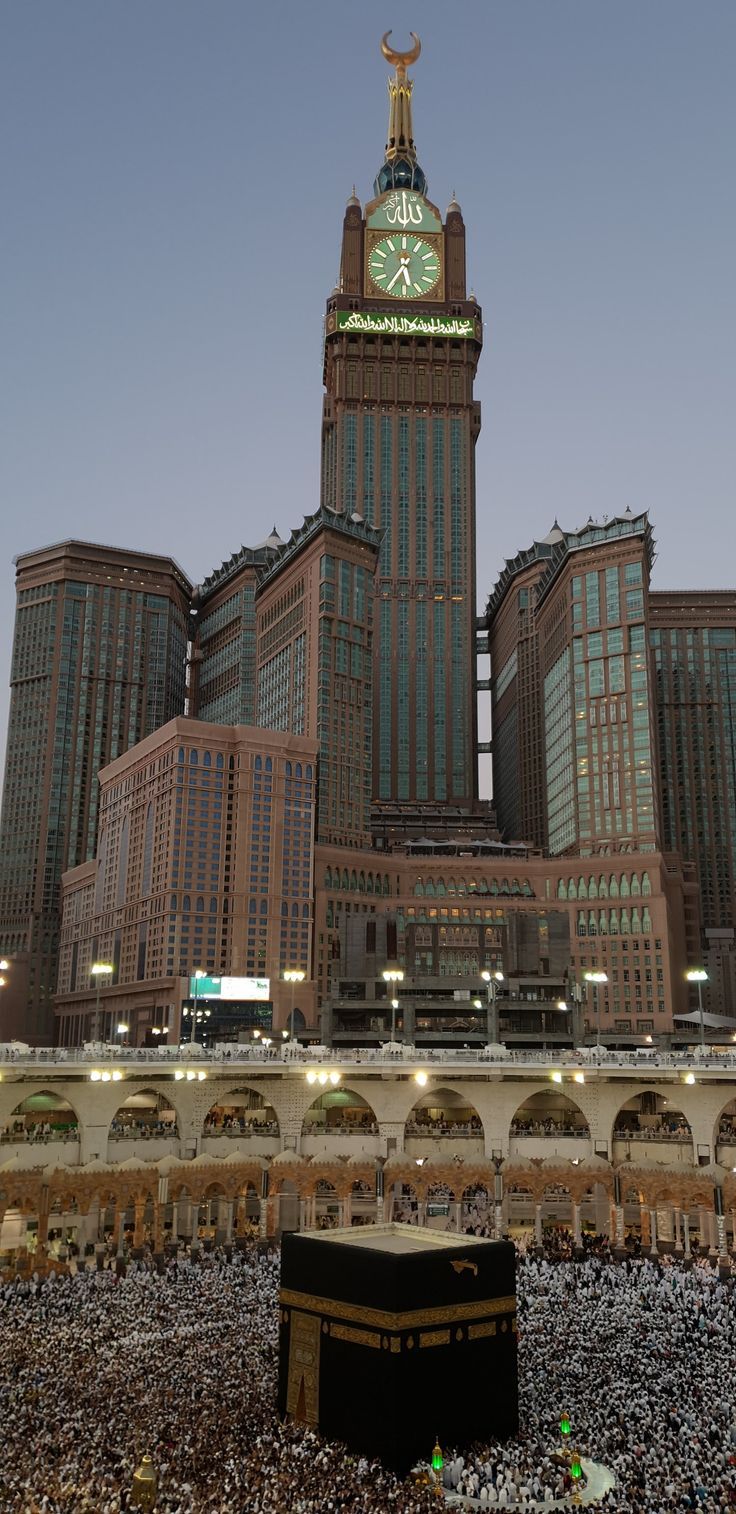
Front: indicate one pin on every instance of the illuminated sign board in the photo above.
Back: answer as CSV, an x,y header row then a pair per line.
x,y
230,988
385,323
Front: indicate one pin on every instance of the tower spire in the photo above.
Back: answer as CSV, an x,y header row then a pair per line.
x,y
400,169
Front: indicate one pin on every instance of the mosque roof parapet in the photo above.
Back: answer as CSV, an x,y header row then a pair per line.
x,y
323,519
257,556
558,545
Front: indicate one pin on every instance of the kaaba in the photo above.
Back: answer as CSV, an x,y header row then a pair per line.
x,y
392,1336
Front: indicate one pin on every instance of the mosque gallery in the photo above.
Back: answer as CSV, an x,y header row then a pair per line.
x,y
392,1337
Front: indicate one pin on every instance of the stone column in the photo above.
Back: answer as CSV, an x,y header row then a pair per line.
x,y
722,1240
576,1236
422,1212
538,1233
498,1204
644,1226
653,1232
686,1232
733,1231
407,1011
347,1208
458,1215
175,1221
712,1233
138,1231
620,1230
676,1230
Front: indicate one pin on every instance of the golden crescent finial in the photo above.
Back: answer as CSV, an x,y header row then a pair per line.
x,y
401,60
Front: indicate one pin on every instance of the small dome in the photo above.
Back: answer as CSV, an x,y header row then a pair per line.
x,y
553,536
453,205
353,199
273,541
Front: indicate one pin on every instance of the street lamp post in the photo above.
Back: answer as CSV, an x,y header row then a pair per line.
x,y
198,974
596,979
293,975
492,982
393,975
98,970
699,975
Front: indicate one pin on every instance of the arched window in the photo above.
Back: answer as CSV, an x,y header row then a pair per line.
x,y
602,888
295,911
613,887
284,908
419,889
269,765
440,888
264,907
200,904
625,926
180,757
624,886
305,912
219,760
572,892
251,906
186,904
592,924
613,922
582,889
207,759
193,758
328,877
646,886
429,888
592,888
173,901
635,885
603,922
213,905
309,770
258,764
582,926
288,770
298,770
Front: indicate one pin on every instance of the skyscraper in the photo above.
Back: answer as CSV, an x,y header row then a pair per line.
x,y
693,639
400,423
99,661
314,622
573,718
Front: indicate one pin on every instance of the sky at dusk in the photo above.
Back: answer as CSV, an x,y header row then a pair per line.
x,y
173,184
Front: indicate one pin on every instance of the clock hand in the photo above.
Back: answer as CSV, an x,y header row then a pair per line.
x,y
406,275
397,275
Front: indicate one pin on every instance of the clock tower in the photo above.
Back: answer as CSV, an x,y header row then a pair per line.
x,y
400,423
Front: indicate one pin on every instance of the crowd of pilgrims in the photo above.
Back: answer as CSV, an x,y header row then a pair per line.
x,y
97,1369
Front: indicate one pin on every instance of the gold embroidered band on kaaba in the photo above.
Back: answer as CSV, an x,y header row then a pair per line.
x,y
408,1319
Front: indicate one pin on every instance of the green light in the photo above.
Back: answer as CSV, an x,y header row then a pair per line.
x,y
437,1458
576,1470
565,1425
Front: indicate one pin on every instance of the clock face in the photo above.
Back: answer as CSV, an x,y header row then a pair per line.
x,y
403,266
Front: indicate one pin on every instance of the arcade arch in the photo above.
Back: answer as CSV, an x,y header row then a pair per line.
x,y
242,1112
339,1110
445,1114
549,1113
647,1119
145,1114
42,1116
